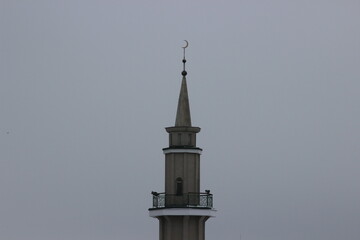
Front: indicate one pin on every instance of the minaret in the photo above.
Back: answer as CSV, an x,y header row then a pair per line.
x,y
182,209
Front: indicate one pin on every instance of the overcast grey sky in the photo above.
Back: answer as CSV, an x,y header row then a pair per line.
x,y
87,87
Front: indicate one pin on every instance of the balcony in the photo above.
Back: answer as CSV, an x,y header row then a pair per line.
x,y
188,200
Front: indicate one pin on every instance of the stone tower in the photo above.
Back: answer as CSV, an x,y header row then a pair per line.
x,y
182,209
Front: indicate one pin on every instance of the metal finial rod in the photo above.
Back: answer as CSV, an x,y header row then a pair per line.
x,y
184,60
184,55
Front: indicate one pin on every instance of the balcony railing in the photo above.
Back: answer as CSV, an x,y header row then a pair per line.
x,y
188,200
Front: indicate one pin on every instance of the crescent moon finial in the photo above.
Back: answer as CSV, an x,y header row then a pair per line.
x,y
184,73
187,44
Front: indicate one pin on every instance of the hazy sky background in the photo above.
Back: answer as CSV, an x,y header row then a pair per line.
x,y
87,87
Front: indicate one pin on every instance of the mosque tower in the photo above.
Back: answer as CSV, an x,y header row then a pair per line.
x,y
182,209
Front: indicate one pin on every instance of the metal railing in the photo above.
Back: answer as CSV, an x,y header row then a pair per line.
x,y
187,200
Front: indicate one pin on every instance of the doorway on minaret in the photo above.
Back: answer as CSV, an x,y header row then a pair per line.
x,y
179,186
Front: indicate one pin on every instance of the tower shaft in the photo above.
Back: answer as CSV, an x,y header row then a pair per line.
x,y
182,227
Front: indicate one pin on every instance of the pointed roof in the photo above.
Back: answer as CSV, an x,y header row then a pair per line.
x,y
183,118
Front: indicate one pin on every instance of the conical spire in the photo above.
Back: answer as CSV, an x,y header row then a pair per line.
x,y
183,118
